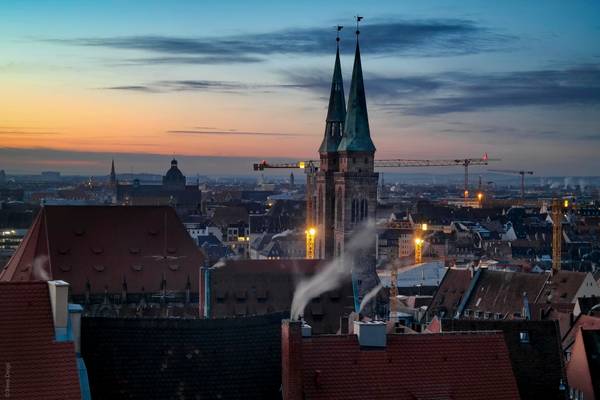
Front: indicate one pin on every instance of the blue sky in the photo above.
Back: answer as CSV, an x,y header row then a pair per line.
x,y
93,80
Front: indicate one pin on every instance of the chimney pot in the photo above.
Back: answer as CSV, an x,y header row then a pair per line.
x,y
371,334
306,330
59,293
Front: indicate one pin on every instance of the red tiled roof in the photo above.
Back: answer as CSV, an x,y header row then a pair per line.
x,y
502,292
105,244
450,292
32,364
427,366
582,321
562,287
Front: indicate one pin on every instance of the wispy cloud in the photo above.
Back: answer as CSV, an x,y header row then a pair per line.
x,y
392,36
196,85
231,132
132,88
454,92
23,131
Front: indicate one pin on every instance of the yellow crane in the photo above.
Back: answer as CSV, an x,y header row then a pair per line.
x,y
557,216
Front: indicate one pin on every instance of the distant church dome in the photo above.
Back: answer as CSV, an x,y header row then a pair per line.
x,y
174,177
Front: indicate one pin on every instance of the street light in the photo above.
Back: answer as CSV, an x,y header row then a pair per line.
x,y
310,242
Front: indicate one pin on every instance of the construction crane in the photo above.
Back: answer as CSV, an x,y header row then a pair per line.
x,y
312,165
522,173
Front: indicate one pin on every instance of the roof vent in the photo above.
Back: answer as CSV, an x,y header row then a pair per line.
x,y
370,334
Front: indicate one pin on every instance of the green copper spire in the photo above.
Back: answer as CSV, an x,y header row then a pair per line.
x,y
357,136
336,113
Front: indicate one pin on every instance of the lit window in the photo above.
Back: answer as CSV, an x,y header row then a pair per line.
x,y
524,336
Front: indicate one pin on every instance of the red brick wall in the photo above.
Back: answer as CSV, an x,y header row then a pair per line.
x,y
291,360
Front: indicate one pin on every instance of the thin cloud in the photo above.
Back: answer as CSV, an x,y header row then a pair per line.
x,y
8,131
132,88
453,92
423,37
232,132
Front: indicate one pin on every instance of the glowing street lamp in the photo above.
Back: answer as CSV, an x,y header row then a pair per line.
x,y
311,233
418,250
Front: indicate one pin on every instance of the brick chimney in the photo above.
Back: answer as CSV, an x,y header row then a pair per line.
x,y
291,360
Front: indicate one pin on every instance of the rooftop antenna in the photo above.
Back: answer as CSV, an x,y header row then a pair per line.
x,y
358,19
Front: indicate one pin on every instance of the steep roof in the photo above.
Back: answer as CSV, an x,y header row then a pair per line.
x,y
336,113
33,364
537,364
411,366
582,322
448,295
257,287
106,244
503,292
563,287
235,358
357,135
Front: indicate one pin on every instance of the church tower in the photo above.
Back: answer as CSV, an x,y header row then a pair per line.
x,y
355,180
328,152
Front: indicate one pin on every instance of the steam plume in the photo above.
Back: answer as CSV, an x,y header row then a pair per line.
x,y
335,272
369,296
40,269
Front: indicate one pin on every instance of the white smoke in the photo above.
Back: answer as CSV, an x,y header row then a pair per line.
x,y
555,185
568,180
369,296
335,272
582,185
39,271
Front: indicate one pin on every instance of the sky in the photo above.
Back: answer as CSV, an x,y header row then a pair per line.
x,y
220,84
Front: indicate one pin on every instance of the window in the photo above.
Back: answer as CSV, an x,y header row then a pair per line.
x,y
524,336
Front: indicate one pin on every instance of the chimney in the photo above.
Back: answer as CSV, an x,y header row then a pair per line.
x,y
306,329
344,325
291,360
75,311
370,334
59,292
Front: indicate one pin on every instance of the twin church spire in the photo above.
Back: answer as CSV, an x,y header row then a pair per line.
x,y
347,129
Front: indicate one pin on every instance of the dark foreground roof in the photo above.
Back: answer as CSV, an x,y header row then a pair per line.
x,y
33,365
411,366
537,363
235,358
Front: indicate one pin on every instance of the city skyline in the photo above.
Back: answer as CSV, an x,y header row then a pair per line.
x,y
86,83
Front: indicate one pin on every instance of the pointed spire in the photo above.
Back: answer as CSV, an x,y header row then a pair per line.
x,y
113,175
336,113
357,136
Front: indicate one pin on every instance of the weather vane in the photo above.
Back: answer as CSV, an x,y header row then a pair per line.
x,y
358,19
